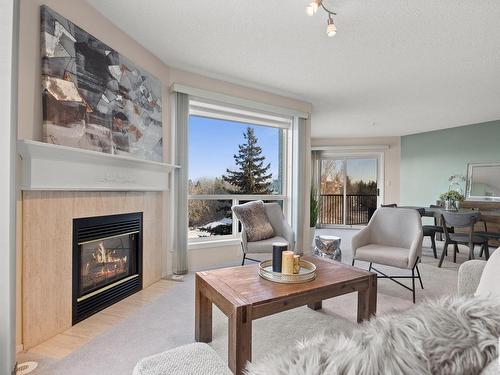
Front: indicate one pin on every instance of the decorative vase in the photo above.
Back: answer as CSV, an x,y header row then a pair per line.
x,y
328,247
310,244
447,205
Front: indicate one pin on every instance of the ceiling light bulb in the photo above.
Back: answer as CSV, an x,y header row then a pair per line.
x,y
313,7
331,29
310,10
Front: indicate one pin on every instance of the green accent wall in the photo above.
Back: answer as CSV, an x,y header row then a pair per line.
x,y
428,159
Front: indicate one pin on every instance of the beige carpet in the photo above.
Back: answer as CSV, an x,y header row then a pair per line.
x,y
169,322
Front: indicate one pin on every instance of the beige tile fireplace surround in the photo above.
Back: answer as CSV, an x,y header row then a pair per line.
x,y
47,251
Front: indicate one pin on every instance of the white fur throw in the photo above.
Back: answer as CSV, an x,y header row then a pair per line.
x,y
453,335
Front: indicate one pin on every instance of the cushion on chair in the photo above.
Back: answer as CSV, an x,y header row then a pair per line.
x,y
435,228
382,254
264,246
254,219
490,279
192,359
428,231
464,237
488,234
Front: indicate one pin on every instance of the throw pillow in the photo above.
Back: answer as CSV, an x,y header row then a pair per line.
x,y
449,336
254,219
489,284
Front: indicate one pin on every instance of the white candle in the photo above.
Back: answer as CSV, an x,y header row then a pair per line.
x,y
287,263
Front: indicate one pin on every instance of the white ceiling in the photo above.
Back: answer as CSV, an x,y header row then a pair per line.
x,y
395,67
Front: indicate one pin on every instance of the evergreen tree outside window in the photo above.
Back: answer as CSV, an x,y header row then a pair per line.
x,y
230,163
253,175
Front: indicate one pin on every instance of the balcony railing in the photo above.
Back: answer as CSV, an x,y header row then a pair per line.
x,y
359,208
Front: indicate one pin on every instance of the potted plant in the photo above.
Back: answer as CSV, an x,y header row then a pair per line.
x,y
313,213
451,199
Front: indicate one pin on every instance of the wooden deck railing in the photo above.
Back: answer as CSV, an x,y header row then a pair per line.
x,y
359,208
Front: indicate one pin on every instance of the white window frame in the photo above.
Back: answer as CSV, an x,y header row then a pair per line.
x,y
204,108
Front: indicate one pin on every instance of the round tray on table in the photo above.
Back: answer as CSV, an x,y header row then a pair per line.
x,y
307,273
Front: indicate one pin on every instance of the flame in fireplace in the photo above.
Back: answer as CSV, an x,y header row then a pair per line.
x,y
103,256
104,264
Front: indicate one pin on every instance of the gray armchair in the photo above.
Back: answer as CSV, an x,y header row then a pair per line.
x,y
393,237
282,233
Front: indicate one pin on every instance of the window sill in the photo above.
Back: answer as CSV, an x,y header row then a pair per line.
x,y
213,243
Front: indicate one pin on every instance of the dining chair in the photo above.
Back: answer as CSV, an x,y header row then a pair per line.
x,y
431,230
471,239
489,236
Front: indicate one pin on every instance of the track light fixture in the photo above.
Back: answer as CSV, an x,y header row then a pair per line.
x,y
313,7
331,29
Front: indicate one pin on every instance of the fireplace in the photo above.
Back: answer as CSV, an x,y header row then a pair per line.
x,y
107,261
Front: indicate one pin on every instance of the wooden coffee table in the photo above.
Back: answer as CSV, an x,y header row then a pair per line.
x,y
242,295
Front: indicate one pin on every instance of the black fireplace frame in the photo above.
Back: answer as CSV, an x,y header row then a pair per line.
x,y
94,228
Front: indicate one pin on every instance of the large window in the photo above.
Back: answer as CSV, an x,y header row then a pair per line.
x,y
232,159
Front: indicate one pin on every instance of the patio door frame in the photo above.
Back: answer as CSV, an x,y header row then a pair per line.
x,y
344,154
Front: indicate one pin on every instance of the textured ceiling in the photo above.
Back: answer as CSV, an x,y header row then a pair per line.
x,y
395,67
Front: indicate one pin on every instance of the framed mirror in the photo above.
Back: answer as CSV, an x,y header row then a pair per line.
x,y
483,181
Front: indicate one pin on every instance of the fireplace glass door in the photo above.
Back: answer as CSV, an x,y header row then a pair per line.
x,y
106,261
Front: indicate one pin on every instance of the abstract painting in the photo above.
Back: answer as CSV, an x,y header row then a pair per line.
x,y
93,97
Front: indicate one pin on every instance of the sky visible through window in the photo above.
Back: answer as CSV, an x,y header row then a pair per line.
x,y
362,169
213,142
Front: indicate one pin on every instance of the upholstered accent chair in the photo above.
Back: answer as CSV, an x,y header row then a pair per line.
x,y
282,232
393,237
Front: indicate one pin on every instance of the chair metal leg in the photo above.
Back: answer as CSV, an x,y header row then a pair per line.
x,y
445,248
419,278
413,283
370,268
382,275
456,248
455,253
433,245
243,261
352,263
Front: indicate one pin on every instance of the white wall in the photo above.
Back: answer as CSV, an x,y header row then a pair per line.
x,y
392,159
8,115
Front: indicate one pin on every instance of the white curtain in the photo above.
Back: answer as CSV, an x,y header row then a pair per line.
x,y
300,183
181,119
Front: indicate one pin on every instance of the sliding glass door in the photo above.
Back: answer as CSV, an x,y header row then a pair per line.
x,y
348,189
331,191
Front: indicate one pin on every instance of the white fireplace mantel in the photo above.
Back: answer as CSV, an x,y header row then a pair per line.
x,y
52,167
